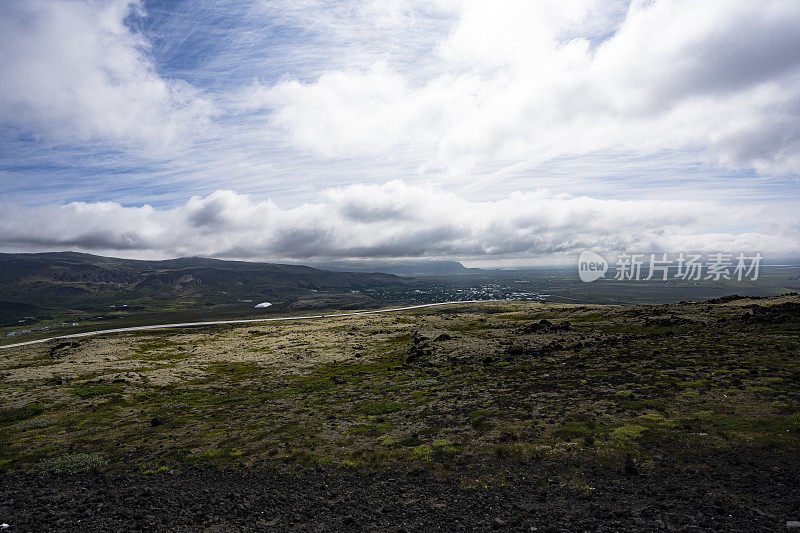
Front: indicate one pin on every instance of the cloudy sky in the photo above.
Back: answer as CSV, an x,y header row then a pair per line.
x,y
500,132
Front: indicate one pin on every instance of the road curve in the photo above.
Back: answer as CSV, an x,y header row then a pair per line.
x,y
241,321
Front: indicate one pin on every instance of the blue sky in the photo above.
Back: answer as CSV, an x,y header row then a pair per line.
x,y
675,124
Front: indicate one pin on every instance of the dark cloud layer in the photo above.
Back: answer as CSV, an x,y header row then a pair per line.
x,y
433,224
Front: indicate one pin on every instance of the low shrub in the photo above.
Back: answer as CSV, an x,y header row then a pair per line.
x,y
71,463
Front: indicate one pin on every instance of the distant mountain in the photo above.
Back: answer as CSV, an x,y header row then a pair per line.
x,y
71,280
403,268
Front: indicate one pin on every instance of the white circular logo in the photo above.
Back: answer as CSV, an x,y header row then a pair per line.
x,y
591,266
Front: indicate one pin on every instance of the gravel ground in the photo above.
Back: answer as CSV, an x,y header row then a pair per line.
x,y
725,493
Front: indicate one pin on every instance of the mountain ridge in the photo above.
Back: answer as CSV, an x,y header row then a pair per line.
x,y
73,280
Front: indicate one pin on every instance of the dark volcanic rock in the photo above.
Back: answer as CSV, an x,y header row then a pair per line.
x,y
545,326
730,495
63,348
773,314
630,466
418,350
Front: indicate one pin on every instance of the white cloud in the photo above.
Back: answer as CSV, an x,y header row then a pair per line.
x,y
74,71
610,99
517,80
396,220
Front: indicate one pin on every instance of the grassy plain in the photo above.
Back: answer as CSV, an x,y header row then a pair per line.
x,y
465,390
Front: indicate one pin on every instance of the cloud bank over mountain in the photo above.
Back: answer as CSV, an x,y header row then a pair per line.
x,y
393,220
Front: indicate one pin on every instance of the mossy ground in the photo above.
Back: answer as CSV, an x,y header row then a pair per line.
x,y
455,389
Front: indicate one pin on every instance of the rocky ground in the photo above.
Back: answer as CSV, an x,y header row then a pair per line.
x,y
730,493
513,416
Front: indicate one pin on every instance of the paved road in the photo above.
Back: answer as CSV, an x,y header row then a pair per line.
x,y
242,321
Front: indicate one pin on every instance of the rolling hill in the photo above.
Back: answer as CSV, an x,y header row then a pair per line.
x,y
32,284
